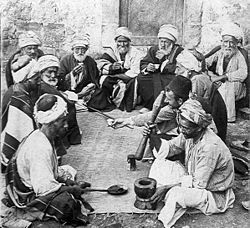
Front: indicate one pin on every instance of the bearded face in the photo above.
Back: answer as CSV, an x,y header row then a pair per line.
x,y
80,53
229,45
123,44
165,45
49,76
31,51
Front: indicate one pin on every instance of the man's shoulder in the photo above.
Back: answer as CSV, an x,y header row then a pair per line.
x,y
67,58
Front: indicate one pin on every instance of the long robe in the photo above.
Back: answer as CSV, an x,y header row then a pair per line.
x,y
206,179
151,84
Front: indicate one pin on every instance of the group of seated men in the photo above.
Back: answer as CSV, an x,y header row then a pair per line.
x,y
39,113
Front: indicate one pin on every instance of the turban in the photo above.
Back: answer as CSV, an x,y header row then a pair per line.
x,y
232,29
57,109
28,38
47,61
181,86
188,60
168,31
123,31
82,41
193,111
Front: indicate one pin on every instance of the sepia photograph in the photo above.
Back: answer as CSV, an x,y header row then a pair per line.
x,y
125,113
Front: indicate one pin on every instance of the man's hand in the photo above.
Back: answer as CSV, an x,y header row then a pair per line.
x,y
151,67
160,194
21,61
78,69
147,129
116,66
119,122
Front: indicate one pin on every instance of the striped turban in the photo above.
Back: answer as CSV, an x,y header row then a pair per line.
x,y
123,31
28,38
47,61
193,111
81,41
49,108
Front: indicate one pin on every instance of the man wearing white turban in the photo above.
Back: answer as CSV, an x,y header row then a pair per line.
x,y
206,180
33,180
229,69
78,71
119,67
158,66
20,65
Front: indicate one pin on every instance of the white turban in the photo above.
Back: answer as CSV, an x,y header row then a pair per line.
x,y
168,31
123,31
47,61
57,110
28,38
188,60
81,41
232,29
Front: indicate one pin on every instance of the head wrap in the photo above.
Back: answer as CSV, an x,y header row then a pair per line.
x,y
168,31
28,38
188,60
193,111
181,86
47,61
123,31
81,41
58,109
232,29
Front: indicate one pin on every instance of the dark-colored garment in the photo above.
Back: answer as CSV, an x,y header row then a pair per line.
x,y
22,97
68,63
219,112
8,73
151,84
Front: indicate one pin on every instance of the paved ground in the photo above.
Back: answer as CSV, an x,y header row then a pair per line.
x,y
236,217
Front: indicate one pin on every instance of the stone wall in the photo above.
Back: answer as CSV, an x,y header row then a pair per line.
x,y
58,21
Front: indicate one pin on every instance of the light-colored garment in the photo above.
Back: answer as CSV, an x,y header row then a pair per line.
x,y
37,164
25,72
209,166
201,85
233,89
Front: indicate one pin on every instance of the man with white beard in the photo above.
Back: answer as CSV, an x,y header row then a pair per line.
x,y
78,71
230,69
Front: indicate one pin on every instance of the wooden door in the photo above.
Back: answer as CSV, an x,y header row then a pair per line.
x,y
144,18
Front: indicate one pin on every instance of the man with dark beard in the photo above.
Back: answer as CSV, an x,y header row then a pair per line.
x,y
78,71
230,70
158,66
119,67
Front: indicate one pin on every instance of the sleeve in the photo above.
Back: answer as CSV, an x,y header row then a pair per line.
x,y
205,166
41,171
241,73
170,148
64,74
149,58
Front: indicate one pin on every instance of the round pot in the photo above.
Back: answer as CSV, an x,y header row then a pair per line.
x,y
145,187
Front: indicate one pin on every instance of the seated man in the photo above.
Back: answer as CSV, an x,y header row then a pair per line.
x,y
21,64
176,92
188,66
230,70
17,119
119,66
78,71
158,66
32,175
206,181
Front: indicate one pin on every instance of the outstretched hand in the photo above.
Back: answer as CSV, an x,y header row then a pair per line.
x,y
78,69
160,194
118,123
147,129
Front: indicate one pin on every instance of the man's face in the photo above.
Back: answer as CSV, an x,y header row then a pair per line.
x,y
229,45
187,128
49,76
165,44
61,126
80,53
181,70
30,50
170,99
122,44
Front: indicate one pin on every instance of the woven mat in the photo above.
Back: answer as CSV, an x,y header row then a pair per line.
x,y
101,159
